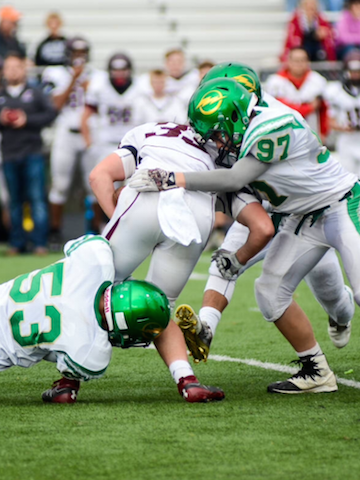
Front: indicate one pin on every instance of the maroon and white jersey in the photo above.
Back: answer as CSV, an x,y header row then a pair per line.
x,y
168,146
115,110
57,79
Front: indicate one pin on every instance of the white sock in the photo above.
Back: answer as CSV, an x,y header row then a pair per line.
x,y
211,316
312,351
179,369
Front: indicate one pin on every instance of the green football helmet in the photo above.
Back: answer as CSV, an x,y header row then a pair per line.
x,y
136,313
239,72
221,105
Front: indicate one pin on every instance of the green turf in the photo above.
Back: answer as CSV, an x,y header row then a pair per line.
x,y
133,425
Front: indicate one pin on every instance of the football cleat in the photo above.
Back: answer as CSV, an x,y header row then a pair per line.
x,y
193,392
339,334
315,376
62,391
198,335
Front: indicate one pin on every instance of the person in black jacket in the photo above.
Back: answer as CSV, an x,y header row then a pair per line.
x,y
24,111
9,18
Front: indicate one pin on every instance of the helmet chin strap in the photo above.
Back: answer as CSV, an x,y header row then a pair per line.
x,y
107,308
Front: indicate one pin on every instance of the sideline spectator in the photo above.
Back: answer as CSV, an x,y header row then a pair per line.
x,y
9,18
300,88
309,29
51,51
348,29
178,79
158,105
24,111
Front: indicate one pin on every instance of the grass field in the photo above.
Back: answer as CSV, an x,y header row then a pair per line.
x,y
133,425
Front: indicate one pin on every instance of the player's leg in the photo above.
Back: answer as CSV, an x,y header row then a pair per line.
x,y
326,282
342,231
288,260
170,268
133,231
35,191
199,330
63,159
12,172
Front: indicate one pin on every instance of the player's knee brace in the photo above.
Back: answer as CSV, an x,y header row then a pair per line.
x,y
217,283
271,298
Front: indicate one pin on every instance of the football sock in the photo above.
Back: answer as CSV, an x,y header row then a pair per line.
x,y
211,316
316,350
179,369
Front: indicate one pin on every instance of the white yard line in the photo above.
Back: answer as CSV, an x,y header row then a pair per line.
x,y
275,366
269,366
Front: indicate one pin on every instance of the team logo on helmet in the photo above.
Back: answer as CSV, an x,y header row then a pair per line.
x,y
247,81
151,331
210,102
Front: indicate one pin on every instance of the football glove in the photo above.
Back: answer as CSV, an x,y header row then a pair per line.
x,y
153,180
227,263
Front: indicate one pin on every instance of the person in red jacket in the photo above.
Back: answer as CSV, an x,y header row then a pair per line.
x,y
309,29
301,88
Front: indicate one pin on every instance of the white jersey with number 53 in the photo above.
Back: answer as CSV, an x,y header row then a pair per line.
x,y
52,313
303,176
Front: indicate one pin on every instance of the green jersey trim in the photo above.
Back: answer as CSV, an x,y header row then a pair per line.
x,y
353,206
77,371
266,128
85,239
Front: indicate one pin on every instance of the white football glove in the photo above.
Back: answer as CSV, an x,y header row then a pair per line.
x,y
227,263
153,180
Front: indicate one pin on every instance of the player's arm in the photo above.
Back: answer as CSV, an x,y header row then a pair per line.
x,y
115,167
243,172
261,231
60,99
89,110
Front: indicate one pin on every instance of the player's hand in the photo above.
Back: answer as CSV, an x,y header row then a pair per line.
x,y
153,180
19,119
227,263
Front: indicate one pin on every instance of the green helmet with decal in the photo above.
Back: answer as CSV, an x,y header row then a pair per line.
x,y
221,105
136,313
239,72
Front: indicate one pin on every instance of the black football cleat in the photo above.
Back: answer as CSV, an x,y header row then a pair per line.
x,y
62,391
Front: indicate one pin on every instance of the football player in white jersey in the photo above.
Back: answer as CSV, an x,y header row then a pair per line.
x,y
110,102
174,226
71,313
67,85
283,159
110,95
325,280
344,101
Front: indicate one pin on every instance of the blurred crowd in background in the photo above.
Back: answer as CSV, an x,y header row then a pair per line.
x,y
60,116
